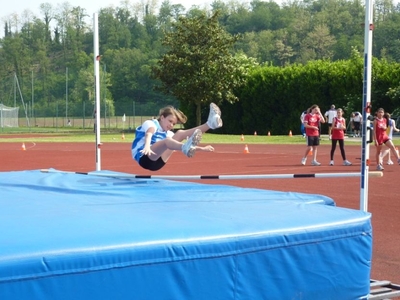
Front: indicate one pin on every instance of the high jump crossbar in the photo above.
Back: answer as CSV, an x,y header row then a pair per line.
x,y
220,177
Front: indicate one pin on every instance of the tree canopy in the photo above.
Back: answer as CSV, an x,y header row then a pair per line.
x,y
210,63
199,67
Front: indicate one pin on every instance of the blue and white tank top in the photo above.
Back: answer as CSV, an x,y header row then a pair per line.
x,y
389,129
138,142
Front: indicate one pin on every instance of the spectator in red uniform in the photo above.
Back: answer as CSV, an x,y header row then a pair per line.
x,y
311,123
381,137
338,129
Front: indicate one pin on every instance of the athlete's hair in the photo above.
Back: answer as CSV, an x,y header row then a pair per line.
x,y
386,115
170,110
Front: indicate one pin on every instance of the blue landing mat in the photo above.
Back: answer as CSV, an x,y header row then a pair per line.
x,y
71,236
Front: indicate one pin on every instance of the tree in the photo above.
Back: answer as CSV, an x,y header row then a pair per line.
x,y
284,52
199,67
114,29
320,42
48,14
168,13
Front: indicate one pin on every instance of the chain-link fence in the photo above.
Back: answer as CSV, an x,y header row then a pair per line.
x,y
82,116
109,123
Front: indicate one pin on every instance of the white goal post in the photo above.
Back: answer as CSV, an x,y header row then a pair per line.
x,y
8,116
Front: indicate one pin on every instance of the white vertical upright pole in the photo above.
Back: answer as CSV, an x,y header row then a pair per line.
x,y
15,89
66,95
105,94
97,88
33,101
366,104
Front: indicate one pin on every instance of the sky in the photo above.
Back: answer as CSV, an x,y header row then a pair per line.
x,y
92,6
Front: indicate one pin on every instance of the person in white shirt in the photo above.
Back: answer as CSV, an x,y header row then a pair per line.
x,y
357,121
389,131
329,116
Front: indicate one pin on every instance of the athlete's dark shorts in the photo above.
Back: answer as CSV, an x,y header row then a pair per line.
x,y
356,126
153,165
312,140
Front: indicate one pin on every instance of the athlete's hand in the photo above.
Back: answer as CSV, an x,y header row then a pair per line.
x,y
207,148
147,151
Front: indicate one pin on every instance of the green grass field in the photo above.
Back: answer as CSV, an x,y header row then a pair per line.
x,y
208,138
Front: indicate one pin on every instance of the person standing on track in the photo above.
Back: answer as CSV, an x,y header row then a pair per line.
x,y
389,131
329,115
302,128
338,129
357,121
381,137
311,123
155,142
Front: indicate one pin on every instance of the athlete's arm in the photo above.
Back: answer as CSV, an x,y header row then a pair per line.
x,y
147,141
394,126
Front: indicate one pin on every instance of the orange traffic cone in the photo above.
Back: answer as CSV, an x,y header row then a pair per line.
x,y
123,136
269,133
242,138
23,147
255,132
290,133
246,149
310,153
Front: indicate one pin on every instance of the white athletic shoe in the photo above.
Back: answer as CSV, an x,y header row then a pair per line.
x,y
347,163
315,163
214,120
189,148
379,167
331,163
303,161
390,162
